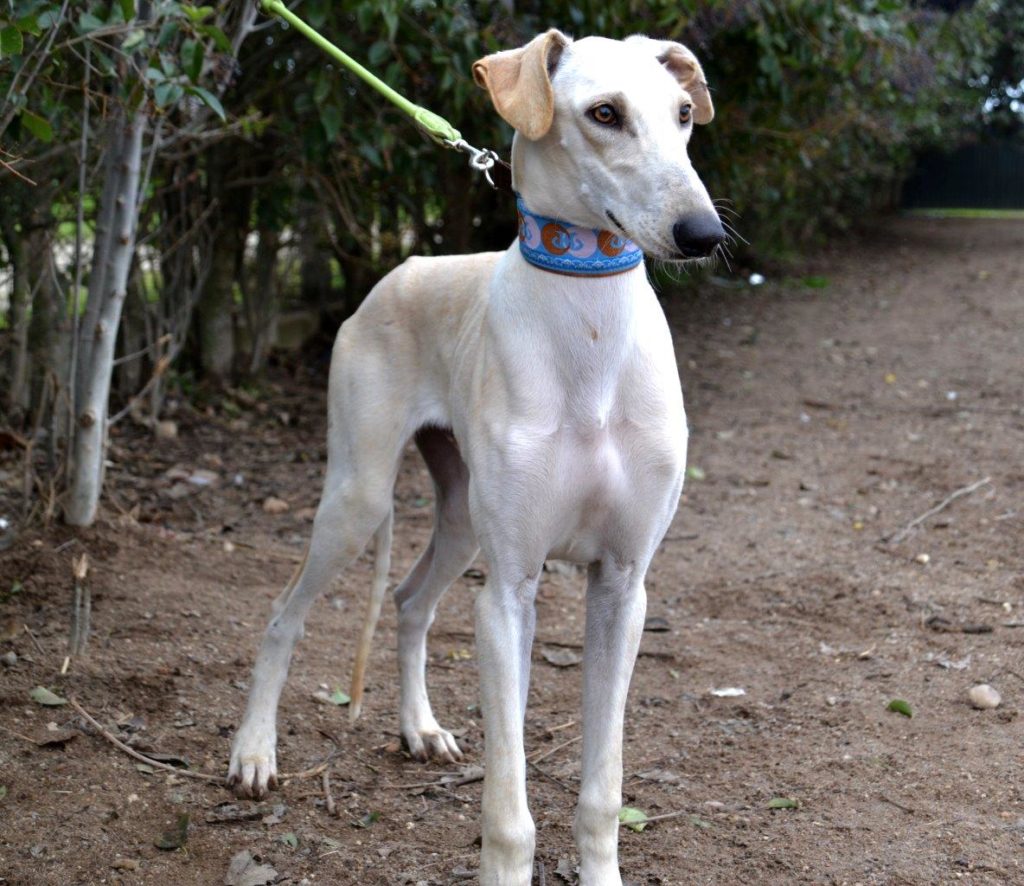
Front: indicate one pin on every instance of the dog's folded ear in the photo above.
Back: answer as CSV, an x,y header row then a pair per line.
x,y
519,82
683,65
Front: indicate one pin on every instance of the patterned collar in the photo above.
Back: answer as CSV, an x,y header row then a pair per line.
x,y
564,248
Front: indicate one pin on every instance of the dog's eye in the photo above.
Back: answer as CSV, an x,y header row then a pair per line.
x,y
684,114
605,115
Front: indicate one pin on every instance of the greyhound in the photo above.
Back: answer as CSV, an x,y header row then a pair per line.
x,y
541,387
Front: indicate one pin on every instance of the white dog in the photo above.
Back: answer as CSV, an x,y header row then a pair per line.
x,y
540,384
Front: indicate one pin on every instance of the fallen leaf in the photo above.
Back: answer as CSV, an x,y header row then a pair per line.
x,y
783,803
693,472
42,695
566,870
899,706
226,813
244,870
203,477
466,775
174,838
662,776
3,791
632,818
656,625
289,839
953,664
275,506
367,820
336,698
276,815
59,738
561,658
125,864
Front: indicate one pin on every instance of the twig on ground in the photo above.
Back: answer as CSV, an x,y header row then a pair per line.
x,y
270,552
28,631
549,776
332,808
131,752
470,775
188,773
896,537
312,772
81,607
19,735
651,818
557,747
899,806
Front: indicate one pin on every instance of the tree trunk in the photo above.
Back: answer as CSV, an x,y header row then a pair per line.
x,y
46,330
128,376
215,312
264,299
21,296
99,269
315,256
90,439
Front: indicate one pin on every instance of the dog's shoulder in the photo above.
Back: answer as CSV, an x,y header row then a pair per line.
x,y
439,277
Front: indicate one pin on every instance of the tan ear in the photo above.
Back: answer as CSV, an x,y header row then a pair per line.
x,y
683,65
519,81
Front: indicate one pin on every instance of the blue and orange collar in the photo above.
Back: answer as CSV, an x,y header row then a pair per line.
x,y
564,248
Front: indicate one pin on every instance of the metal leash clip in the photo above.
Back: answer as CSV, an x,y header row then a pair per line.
x,y
480,159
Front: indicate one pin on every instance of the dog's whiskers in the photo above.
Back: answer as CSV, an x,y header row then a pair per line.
x,y
734,235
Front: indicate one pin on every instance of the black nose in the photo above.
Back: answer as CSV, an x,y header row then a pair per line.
x,y
698,235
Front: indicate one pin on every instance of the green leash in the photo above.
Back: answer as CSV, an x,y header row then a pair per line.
x,y
434,125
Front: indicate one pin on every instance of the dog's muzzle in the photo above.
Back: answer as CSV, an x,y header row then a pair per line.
x,y
698,235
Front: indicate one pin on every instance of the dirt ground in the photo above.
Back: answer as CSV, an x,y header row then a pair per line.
x,y
827,412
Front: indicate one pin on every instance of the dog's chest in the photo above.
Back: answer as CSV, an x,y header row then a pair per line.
x,y
612,486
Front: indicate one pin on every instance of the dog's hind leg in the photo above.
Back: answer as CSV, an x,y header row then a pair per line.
x,y
365,444
451,550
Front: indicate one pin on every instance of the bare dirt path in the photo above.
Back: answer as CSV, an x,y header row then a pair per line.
x,y
825,418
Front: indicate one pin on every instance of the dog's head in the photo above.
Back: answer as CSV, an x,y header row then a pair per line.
x,y
601,133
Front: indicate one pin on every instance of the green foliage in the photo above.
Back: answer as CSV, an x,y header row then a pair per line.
x,y
821,104
1000,77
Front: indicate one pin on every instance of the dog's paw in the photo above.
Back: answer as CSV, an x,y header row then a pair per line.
x,y
253,769
432,744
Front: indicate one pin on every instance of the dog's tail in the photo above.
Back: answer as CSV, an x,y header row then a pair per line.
x,y
381,567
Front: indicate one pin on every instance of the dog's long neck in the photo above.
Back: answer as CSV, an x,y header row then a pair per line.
x,y
568,337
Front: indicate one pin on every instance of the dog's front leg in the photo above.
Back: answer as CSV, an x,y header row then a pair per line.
x,y
505,620
616,603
